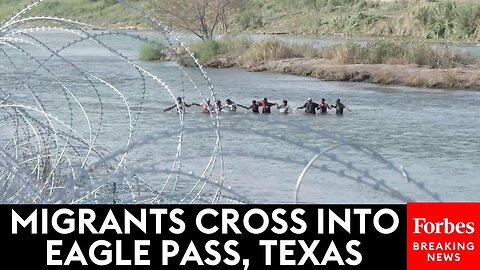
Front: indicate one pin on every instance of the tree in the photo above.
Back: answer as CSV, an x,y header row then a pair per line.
x,y
201,17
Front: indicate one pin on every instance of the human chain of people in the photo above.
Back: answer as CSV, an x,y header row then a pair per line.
x,y
310,106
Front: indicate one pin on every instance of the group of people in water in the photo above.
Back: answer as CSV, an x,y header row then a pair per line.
x,y
309,106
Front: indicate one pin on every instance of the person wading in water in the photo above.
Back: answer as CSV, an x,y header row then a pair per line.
x,y
310,106
339,106
254,106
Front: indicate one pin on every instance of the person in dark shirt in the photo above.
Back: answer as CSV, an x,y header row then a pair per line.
x,y
180,105
254,106
218,106
324,106
339,106
310,106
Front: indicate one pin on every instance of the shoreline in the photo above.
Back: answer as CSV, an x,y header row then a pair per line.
x,y
456,78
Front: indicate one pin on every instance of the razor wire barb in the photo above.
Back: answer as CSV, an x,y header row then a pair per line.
x,y
65,155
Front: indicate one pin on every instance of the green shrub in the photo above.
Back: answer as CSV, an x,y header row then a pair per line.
x,y
210,49
441,17
149,52
445,19
186,61
467,24
205,49
249,20
380,51
424,55
234,46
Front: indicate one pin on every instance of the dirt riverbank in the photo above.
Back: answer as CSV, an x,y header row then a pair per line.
x,y
461,77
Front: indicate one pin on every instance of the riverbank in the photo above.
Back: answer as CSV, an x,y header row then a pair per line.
x,y
380,62
467,77
459,78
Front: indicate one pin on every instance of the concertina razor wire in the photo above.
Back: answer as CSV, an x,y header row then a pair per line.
x,y
49,155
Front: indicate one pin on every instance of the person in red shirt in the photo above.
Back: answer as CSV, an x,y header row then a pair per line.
x,y
206,106
266,105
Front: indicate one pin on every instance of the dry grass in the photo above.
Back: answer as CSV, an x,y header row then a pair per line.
x,y
268,50
395,53
473,82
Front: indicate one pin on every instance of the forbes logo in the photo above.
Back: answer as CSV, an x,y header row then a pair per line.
x,y
442,227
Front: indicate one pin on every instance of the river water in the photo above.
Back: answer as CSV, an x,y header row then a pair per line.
x,y
433,134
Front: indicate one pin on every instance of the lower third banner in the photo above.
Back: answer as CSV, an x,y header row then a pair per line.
x,y
415,236
204,236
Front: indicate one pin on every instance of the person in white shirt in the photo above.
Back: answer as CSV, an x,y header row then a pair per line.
x,y
284,108
231,106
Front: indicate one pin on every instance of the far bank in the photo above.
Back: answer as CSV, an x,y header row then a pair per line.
x,y
462,78
380,61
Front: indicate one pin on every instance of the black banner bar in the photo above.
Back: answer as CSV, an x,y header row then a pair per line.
x,y
204,236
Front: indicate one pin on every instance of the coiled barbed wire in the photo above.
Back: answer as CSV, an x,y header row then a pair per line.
x,y
69,154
